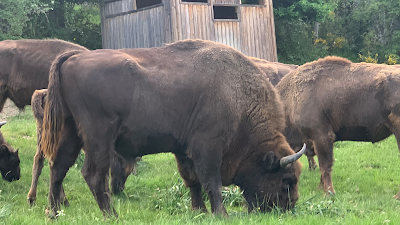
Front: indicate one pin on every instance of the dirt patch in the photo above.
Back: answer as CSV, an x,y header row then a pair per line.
x,y
9,110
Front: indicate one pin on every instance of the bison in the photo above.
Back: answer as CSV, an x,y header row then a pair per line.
x,y
205,102
340,100
120,168
9,160
24,68
273,70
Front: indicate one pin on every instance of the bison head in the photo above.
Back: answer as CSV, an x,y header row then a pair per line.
x,y
269,181
120,170
9,163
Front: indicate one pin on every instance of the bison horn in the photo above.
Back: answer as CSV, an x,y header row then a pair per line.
x,y
2,123
291,158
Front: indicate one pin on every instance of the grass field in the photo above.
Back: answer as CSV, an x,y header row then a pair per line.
x,y
366,176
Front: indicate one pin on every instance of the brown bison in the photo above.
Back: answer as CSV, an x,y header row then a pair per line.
x,y
24,67
203,101
340,100
120,168
274,70
9,160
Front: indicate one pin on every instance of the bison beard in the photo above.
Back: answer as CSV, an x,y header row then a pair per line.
x,y
340,100
203,101
120,169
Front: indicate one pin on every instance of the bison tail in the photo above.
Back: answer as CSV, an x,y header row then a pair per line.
x,y
53,118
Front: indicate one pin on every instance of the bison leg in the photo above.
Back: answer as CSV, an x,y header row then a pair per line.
x,y
394,121
310,153
120,170
95,171
186,169
36,171
206,154
324,149
67,152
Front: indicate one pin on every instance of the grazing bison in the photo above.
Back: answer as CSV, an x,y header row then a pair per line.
x,y
9,160
274,70
24,67
340,100
203,101
120,168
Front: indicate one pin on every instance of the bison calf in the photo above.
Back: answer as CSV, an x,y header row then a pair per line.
x,y
120,169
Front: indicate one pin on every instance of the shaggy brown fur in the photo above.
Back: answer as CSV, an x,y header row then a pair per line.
x,y
333,99
120,169
274,70
203,101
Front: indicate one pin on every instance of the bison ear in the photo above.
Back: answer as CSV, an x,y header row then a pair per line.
x,y
4,150
270,162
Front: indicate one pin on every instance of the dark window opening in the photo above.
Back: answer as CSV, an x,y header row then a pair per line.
x,y
146,3
203,1
225,12
252,2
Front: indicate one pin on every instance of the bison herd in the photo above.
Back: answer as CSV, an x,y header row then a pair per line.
x,y
227,118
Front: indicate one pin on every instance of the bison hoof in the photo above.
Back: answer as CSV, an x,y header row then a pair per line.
x,y
312,167
65,202
329,194
50,214
397,196
31,201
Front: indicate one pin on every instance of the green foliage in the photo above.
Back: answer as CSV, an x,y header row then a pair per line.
x,y
391,59
294,39
79,23
306,10
14,15
368,59
72,20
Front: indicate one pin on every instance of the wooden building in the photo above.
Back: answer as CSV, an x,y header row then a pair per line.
x,y
151,23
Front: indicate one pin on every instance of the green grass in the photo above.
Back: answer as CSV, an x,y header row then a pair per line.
x,y
366,176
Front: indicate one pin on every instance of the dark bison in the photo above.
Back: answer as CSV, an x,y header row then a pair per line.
x,y
9,160
120,168
203,101
338,101
273,70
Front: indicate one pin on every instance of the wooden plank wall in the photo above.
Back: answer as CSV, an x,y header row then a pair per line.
x,y
228,33
258,32
125,27
191,21
253,34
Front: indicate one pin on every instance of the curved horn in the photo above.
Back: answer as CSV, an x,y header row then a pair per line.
x,y
291,158
2,123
